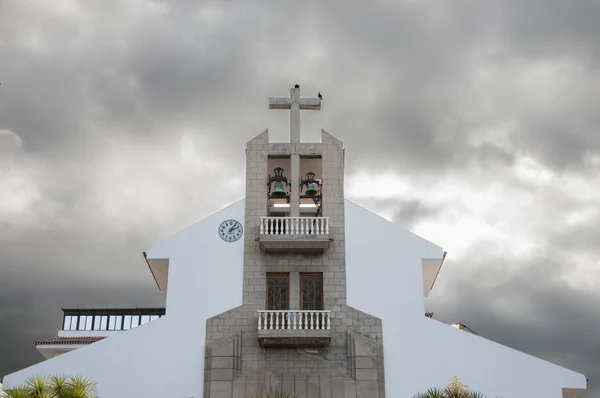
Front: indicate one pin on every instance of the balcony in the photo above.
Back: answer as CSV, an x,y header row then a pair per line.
x,y
294,328
294,234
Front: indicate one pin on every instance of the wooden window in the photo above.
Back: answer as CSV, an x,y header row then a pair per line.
x,y
278,291
311,292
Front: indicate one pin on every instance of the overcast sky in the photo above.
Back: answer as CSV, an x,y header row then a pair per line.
x,y
473,123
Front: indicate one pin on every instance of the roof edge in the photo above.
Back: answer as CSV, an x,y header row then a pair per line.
x,y
151,271
438,271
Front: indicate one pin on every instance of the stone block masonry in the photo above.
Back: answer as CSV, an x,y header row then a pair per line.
x,y
351,365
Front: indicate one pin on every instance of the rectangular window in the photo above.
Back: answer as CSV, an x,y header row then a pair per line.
x,y
127,322
311,292
97,322
82,321
88,322
145,319
277,291
112,323
67,323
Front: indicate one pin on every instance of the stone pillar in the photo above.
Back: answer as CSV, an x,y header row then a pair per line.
x,y
295,181
295,115
294,290
295,158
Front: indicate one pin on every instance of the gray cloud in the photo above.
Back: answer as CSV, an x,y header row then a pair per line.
x,y
120,116
405,211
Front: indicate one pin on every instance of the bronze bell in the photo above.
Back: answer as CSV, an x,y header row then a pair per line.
x,y
311,184
278,187
278,191
311,189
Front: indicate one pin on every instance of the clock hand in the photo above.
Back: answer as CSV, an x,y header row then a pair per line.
x,y
233,228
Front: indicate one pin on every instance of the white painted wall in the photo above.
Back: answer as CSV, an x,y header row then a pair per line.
x,y
165,358
428,353
203,266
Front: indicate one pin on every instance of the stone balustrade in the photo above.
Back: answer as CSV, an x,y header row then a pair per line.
x,y
294,320
294,225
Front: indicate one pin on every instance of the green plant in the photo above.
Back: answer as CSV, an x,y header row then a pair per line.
x,y
431,393
54,387
456,389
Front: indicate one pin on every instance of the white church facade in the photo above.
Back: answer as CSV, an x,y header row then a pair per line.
x,y
294,289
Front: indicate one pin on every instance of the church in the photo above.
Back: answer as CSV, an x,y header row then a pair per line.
x,y
295,289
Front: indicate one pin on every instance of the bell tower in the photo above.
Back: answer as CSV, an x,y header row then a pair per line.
x,y
294,331
294,103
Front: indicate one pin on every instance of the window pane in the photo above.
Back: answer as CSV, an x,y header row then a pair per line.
x,y
312,292
97,322
153,317
67,323
127,322
112,321
88,322
103,325
277,292
145,319
81,325
135,321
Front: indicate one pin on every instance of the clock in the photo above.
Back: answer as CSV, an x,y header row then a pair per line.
x,y
230,230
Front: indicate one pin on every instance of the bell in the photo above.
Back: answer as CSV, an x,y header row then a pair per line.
x,y
311,189
278,191
311,186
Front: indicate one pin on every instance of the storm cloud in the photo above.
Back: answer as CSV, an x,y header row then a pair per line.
x,y
472,123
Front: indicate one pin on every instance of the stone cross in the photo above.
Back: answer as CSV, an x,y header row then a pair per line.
x,y
294,103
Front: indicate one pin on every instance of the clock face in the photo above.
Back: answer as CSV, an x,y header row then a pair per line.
x,y
230,230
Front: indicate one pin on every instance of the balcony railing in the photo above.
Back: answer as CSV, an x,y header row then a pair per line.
x,y
294,320
294,225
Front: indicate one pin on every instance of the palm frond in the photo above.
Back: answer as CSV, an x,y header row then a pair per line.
x,y
431,393
37,386
475,394
58,385
455,393
18,392
80,387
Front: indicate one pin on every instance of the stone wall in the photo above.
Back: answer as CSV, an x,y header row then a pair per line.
x,y
352,364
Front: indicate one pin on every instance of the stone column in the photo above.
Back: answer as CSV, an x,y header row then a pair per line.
x,y
295,115
294,290
295,181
